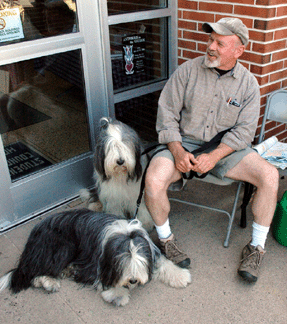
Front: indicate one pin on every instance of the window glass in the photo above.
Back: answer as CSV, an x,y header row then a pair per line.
x,y
119,6
22,20
140,113
138,53
43,119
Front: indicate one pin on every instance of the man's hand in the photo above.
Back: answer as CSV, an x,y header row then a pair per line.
x,y
184,161
205,163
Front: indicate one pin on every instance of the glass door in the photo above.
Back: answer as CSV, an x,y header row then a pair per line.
x,y
141,53
52,92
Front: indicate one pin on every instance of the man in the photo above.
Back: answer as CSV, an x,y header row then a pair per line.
x,y
203,97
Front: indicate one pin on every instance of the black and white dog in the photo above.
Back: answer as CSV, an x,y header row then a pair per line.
x,y
96,248
118,172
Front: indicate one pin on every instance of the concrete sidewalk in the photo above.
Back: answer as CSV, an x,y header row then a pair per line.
x,y
216,294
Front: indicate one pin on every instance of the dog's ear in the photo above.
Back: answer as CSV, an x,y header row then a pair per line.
x,y
99,161
104,122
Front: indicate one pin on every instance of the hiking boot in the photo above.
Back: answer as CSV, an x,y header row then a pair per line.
x,y
251,260
169,247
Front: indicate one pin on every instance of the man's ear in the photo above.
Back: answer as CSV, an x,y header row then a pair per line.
x,y
239,51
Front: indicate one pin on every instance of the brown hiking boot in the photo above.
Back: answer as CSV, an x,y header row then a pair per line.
x,y
169,247
251,260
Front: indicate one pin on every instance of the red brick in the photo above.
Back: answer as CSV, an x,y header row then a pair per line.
x,y
190,54
200,16
201,47
260,36
250,2
255,11
270,88
282,11
184,24
195,36
186,44
270,47
278,75
256,58
270,24
269,2
275,131
262,79
180,61
248,22
279,34
184,4
279,56
217,7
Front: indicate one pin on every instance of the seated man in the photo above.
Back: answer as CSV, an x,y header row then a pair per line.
x,y
203,97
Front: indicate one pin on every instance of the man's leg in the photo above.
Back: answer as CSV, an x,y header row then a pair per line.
x,y
160,174
255,170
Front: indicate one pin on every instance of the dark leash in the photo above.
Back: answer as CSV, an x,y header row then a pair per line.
x,y
188,176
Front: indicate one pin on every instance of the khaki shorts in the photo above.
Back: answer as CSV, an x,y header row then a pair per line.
x,y
220,168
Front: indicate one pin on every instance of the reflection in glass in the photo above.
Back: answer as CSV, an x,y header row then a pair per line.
x,y
138,53
140,113
119,6
22,20
43,112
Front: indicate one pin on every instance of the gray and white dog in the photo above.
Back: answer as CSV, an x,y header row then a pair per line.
x,y
102,250
118,172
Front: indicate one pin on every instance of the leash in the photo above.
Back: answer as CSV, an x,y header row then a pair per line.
x,y
215,140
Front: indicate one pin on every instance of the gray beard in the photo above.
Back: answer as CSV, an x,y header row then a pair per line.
x,y
210,64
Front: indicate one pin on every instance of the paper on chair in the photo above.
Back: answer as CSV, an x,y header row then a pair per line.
x,y
273,151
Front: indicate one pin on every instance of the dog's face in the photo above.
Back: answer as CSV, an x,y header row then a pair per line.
x,y
127,259
118,151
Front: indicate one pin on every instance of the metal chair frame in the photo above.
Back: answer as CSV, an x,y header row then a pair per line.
x,y
212,179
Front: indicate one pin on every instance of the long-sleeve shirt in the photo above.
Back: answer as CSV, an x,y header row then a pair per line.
x,y
199,103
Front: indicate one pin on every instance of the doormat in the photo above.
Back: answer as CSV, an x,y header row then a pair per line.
x,y
23,161
24,115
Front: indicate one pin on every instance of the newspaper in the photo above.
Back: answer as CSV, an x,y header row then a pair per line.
x,y
274,152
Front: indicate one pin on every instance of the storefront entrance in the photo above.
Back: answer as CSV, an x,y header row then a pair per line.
x,y
63,65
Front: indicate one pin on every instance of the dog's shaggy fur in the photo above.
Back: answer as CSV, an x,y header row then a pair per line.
x,y
97,249
118,172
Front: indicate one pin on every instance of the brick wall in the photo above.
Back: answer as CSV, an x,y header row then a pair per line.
x,y
266,54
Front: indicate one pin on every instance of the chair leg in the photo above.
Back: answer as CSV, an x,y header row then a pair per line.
x,y
231,218
248,190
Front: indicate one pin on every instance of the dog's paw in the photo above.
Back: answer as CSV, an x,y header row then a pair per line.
x,y
181,279
48,283
118,296
84,195
170,274
96,206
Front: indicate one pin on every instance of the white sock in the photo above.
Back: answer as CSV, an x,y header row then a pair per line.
x,y
259,235
164,230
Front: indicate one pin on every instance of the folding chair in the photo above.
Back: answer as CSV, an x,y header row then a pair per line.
x,y
276,110
212,179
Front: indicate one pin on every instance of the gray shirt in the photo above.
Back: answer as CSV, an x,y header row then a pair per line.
x,y
198,103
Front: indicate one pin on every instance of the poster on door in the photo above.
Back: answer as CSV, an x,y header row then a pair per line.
x,y
10,25
134,54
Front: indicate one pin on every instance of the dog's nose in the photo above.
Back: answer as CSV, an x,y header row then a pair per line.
x,y
133,281
120,161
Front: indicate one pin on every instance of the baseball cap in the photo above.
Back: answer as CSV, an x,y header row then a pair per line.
x,y
228,26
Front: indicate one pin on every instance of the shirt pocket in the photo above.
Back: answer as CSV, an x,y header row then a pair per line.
x,y
228,115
